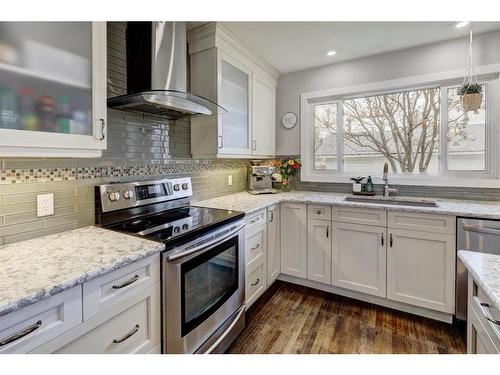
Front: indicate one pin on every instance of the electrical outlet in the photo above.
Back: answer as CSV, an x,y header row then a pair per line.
x,y
44,204
230,180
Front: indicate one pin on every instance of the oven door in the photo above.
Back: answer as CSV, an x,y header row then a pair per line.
x,y
203,286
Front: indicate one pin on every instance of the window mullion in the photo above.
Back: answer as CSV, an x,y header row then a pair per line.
x,y
443,131
340,136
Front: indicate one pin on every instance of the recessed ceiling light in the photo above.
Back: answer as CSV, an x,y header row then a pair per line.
x,y
461,24
331,52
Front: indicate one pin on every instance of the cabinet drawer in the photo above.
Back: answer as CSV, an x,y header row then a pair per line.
x,y
255,220
422,222
255,247
133,330
359,215
478,339
105,291
319,212
485,310
255,283
40,322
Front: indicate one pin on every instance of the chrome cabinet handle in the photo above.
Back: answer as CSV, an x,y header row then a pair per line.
x,y
390,240
254,145
221,141
271,218
256,247
484,306
327,231
255,283
126,283
24,332
103,127
475,228
382,239
128,335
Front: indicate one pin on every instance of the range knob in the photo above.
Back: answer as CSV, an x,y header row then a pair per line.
x,y
177,230
185,226
185,186
127,194
177,187
114,196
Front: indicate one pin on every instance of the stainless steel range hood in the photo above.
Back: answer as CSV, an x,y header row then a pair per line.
x,y
156,73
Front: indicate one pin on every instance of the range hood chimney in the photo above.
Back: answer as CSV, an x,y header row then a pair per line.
x,y
156,73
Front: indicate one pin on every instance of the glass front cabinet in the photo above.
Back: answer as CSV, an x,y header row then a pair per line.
x,y
52,89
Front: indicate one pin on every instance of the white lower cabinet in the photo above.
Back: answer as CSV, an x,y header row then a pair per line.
x,y
359,258
319,250
273,243
294,239
255,283
421,269
130,327
255,256
478,340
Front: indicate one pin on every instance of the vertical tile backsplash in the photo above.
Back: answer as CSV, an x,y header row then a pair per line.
x,y
139,148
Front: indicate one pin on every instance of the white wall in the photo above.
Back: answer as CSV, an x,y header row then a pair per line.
x,y
438,57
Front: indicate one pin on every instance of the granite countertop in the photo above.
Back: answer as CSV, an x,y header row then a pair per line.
x,y
249,203
36,269
485,269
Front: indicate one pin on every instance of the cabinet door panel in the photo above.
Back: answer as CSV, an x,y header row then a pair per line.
x,y
273,244
294,239
421,269
319,251
263,118
359,258
53,92
234,96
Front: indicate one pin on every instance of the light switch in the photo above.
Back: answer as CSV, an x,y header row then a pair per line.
x,y
230,180
45,204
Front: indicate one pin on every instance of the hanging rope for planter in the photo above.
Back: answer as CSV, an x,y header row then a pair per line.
x,y
471,92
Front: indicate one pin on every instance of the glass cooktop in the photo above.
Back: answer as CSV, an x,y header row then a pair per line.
x,y
177,223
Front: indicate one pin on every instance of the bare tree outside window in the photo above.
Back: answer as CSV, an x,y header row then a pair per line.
x,y
402,128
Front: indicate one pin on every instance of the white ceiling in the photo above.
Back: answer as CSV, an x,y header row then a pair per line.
x,y
291,46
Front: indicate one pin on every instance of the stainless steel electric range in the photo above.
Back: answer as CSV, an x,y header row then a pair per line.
x,y
203,285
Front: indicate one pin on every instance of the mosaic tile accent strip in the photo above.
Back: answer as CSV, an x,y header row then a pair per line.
x,y
27,175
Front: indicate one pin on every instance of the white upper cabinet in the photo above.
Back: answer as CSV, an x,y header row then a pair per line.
x,y
264,117
245,86
53,89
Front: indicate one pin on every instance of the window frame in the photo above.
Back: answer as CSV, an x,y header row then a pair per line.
x,y
487,178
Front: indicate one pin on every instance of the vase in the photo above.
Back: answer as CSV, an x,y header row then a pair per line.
x,y
286,184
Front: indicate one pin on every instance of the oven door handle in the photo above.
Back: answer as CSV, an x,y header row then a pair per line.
x,y
226,332
205,246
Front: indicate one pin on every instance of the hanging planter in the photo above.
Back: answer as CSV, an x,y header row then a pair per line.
x,y
471,92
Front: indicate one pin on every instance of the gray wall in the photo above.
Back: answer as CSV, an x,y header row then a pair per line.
x,y
427,59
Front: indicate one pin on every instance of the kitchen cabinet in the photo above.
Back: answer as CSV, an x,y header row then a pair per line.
x,y
53,90
255,256
294,239
421,269
359,258
273,244
483,321
245,86
319,250
263,116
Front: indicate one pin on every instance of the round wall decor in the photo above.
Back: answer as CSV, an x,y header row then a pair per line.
x,y
289,120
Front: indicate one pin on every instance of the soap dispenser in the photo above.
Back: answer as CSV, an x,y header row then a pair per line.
x,y
369,185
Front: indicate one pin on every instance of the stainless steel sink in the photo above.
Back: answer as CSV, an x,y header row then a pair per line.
x,y
392,201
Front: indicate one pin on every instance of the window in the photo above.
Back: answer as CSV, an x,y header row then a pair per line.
x,y
419,132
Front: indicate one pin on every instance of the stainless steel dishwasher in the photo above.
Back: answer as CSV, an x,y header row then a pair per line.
x,y
479,235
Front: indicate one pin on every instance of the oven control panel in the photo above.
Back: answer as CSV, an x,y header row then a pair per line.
x,y
131,194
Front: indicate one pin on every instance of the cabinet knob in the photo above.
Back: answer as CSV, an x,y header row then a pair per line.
x,y
319,212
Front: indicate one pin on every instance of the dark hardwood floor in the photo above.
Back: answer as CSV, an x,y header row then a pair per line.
x,y
294,319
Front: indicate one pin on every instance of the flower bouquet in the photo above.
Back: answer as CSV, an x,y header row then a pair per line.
x,y
287,169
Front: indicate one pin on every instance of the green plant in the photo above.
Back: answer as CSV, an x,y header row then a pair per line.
x,y
357,180
470,88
